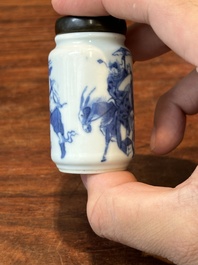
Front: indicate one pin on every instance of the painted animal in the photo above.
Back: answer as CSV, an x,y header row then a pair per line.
x,y
111,121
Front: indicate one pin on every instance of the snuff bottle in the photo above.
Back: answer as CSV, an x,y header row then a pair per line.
x,y
91,96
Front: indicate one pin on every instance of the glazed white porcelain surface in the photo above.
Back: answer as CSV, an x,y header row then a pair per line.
x,y
91,103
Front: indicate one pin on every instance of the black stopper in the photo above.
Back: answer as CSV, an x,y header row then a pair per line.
x,y
71,24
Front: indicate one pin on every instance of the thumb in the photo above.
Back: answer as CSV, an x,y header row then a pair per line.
x,y
121,209
156,220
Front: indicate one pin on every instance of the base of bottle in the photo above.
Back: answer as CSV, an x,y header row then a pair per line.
x,y
90,169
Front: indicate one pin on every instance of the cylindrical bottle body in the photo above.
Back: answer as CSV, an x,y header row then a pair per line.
x,y
91,103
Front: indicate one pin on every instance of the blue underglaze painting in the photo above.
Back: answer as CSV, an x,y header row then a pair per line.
x,y
116,112
56,117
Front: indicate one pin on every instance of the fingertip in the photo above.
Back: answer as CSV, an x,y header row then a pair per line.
x,y
57,6
79,8
166,138
160,143
106,180
169,125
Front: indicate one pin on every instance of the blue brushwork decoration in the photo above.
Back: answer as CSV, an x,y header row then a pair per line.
x,y
56,117
116,112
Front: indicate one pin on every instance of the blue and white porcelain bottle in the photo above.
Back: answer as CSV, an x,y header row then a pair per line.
x,y
91,96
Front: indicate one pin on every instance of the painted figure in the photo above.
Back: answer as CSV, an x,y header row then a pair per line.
x,y
56,117
116,113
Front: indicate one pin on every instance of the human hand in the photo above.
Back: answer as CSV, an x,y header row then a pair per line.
x,y
158,220
174,21
164,25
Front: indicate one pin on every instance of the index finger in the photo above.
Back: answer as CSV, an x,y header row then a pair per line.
x,y
127,9
174,21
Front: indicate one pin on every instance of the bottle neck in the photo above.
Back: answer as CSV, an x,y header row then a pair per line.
x,y
89,37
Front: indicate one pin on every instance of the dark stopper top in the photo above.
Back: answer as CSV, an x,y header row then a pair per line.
x,y
71,24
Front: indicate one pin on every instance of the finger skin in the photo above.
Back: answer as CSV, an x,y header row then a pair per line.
x,y
170,114
157,220
122,9
144,43
174,21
